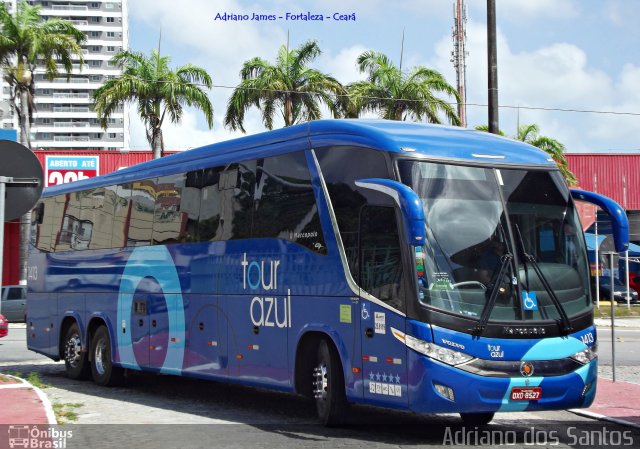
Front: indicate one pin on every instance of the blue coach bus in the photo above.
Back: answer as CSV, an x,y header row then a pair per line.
x,y
408,266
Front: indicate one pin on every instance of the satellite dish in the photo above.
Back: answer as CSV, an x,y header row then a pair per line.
x,y
5,109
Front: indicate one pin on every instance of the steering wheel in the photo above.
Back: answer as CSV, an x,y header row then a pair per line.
x,y
468,283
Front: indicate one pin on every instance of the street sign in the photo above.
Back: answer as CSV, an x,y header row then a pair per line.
x,y
23,179
64,169
20,184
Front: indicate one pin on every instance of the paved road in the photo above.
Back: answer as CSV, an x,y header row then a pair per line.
x,y
165,411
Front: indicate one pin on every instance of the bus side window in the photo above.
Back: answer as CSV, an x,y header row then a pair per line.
x,y
120,199
341,167
96,220
169,220
380,255
227,202
284,203
143,197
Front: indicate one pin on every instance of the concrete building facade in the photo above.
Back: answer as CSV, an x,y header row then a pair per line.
x,y
65,117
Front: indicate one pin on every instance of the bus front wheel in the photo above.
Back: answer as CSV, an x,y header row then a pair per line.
x,y
102,369
328,386
476,419
75,359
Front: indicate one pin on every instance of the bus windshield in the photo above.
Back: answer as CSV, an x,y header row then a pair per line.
x,y
498,232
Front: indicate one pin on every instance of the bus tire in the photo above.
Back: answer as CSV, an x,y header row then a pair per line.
x,y
102,369
75,359
477,419
328,386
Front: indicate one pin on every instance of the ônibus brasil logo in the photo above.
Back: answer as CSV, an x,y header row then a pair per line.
x,y
38,436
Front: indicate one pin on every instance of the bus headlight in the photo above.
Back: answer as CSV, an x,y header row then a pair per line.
x,y
445,355
585,356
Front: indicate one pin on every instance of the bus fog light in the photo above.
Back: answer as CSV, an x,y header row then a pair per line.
x,y
445,392
586,389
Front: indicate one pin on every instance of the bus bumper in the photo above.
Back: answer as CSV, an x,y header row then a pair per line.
x,y
478,394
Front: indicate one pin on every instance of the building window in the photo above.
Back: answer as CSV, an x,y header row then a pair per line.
x,y
94,5
112,135
94,33
95,48
46,121
95,19
95,63
111,19
111,34
109,6
111,48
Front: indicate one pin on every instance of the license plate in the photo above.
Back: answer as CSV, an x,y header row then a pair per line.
x,y
526,394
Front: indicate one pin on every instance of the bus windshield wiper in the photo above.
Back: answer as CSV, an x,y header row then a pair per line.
x,y
566,323
488,307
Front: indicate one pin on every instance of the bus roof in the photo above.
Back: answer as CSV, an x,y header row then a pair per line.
x,y
448,143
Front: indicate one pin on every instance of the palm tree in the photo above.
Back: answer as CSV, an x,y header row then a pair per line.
x,y
158,90
289,85
531,134
27,41
399,95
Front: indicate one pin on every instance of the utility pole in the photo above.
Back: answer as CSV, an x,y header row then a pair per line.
x,y
492,59
458,56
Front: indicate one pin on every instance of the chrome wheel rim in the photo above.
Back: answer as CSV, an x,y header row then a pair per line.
x,y
99,357
73,350
321,382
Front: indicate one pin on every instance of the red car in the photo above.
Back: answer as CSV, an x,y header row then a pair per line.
x,y
4,326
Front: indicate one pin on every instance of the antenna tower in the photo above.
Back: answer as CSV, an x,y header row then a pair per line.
x,y
458,56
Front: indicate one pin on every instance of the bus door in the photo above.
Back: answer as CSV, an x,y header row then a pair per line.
x,y
384,357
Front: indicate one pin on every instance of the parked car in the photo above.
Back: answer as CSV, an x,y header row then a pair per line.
x,y
4,326
14,302
619,291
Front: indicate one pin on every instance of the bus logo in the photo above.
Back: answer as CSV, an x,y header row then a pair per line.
x,y
526,369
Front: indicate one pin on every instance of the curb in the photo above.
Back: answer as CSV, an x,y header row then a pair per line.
x,y
600,417
48,408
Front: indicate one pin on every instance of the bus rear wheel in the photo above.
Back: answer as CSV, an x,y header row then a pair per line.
x,y
102,369
75,359
476,419
328,386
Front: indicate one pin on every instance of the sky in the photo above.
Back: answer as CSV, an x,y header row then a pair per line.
x,y
552,54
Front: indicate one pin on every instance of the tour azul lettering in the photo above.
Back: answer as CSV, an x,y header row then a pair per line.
x,y
267,310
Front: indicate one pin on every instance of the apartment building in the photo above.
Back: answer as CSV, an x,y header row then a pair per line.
x,y
65,117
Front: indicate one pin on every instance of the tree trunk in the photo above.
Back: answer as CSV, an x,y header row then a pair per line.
x,y
157,144
23,258
25,220
23,119
288,110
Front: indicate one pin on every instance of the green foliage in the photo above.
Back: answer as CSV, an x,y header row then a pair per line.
x,y
66,413
158,90
289,86
398,95
531,134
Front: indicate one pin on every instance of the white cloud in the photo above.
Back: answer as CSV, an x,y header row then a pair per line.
x,y
343,65
554,76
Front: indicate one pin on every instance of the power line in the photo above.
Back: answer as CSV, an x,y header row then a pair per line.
x,y
505,106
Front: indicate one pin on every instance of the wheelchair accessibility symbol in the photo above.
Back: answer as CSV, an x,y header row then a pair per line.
x,y
365,312
529,300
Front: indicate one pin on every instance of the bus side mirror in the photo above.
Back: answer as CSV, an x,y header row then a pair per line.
x,y
619,221
408,201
